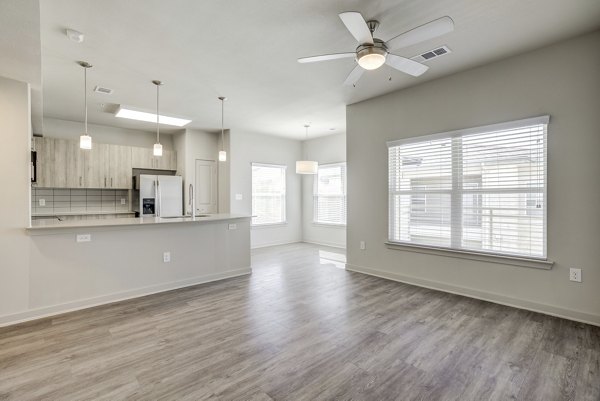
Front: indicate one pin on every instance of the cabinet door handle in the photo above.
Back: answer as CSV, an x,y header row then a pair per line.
x,y
80,181
111,182
104,182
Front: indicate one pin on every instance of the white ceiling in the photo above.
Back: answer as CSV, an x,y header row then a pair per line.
x,y
247,50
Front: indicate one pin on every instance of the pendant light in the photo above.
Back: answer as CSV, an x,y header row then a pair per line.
x,y
157,146
222,153
306,166
85,140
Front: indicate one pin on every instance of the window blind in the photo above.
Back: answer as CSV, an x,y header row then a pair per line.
x,y
268,194
329,194
480,189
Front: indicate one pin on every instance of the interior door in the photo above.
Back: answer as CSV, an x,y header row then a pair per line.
x,y
206,186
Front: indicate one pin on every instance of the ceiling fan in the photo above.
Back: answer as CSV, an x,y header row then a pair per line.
x,y
372,52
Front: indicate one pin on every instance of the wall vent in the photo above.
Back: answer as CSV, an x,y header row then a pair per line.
x,y
100,89
431,54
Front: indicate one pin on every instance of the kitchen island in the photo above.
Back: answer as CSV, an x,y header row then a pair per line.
x,y
79,264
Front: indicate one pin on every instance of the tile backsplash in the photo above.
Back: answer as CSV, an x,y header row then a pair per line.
x,y
55,200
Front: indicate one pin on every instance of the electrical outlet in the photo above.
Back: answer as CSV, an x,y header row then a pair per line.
x,y
363,245
122,201
84,237
575,275
238,197
42,202
233,226
166,257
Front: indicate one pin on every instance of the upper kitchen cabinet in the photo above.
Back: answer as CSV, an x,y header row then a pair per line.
x,y
62,164
119,166
144,158
97,166
45,162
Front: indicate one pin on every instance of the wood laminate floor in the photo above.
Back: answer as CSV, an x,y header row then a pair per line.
x,y
300,328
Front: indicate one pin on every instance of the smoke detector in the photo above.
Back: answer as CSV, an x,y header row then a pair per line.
x,y
74,35
105,91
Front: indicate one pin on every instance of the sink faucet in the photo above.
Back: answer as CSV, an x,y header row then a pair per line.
x,y
192,201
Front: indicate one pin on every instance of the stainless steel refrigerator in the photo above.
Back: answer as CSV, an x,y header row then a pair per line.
x,y
159,195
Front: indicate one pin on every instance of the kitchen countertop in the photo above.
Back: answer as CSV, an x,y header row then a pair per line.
x,y
45,225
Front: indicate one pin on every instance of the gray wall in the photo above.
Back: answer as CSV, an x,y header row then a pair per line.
x,y
15,122
56,128
247,148
563,81
328,149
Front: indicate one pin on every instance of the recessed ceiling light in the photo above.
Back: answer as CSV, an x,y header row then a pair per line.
x,y
331,129
133,114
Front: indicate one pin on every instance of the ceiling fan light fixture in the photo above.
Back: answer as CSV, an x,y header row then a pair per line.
x,y
371,57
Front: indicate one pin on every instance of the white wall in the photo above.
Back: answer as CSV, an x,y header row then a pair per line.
x,y
563,81
15,122
247,148
328,149
55,128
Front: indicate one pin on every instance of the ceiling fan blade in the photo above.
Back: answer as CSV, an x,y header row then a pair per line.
x,y
354,76
422,33
357,26
326,57
406,65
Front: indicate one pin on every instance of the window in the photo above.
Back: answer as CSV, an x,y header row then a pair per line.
x,y
268,194
480,189
330,194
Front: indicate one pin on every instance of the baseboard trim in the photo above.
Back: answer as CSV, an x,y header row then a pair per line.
x,y
48,311
551,310
274,244
331,245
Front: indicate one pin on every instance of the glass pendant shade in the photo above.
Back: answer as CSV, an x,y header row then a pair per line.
x,y
222,156
157,149
306,167
85,141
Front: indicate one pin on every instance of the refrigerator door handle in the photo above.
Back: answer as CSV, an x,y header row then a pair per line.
x,y
157,198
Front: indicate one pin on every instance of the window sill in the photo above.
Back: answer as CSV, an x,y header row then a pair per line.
x,y
268,225
484,257
334,225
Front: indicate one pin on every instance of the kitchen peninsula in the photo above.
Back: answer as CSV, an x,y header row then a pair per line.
x,y
83,263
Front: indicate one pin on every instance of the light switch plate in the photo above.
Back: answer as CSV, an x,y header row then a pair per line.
x,y
233,226
167,257
122,201
84,237
42,202
238,197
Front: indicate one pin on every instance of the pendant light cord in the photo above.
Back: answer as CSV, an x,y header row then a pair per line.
x,y
85,97
157,115
222,124
306,140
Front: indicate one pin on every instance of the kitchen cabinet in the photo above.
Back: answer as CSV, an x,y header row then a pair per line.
x,y
62,164
144,158
45,162
119,166
97,167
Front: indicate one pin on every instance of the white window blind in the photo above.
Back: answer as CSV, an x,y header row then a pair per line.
x,y
480,189
330,194
268,194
